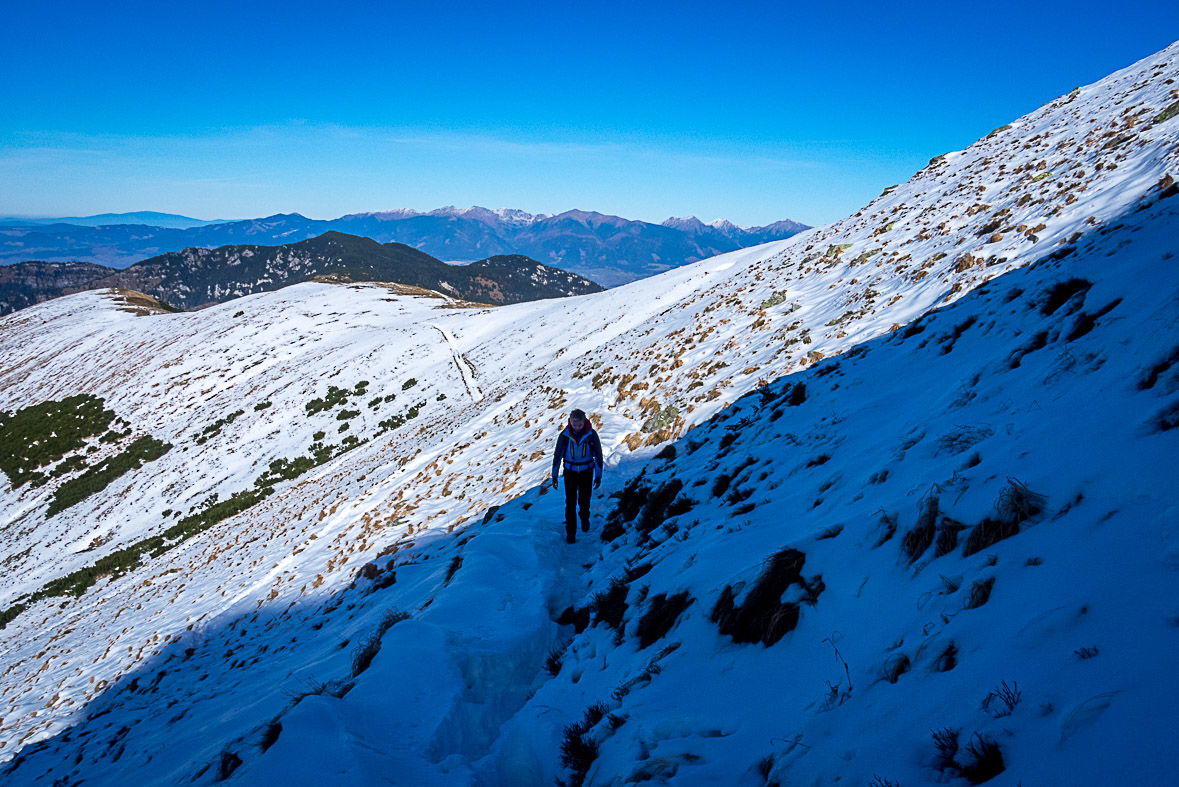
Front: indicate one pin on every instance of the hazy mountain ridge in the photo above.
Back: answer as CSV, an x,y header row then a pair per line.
x,y
26,283
570,240
144,217
1050,376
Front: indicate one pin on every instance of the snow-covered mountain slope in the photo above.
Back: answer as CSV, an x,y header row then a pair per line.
x,y
191,660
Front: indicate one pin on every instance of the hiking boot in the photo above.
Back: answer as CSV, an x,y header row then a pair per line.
x,y
570,540
585,527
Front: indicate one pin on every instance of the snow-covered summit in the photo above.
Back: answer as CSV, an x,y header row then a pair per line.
x,y
687,223
742,236
495,218
825,425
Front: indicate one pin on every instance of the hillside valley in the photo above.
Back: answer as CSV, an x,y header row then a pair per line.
x,y
196,278
886,502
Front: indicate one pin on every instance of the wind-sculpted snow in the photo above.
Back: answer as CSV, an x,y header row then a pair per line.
x,y
804,588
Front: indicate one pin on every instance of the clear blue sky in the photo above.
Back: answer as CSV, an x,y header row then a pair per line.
x,y
752,111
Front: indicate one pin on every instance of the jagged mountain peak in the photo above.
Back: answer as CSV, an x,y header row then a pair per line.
x,y
686,223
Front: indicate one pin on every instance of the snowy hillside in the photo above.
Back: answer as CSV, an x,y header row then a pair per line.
x,y
767,598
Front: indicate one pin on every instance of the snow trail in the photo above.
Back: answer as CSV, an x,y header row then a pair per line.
x,y
464,366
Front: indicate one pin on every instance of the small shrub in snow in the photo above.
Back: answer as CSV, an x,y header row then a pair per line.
x,y
721,484
556,657
947,659
1016,504
829,532
667,452
1152,375
888,527
880,781
895,666
365,652
578,749
961,438
764,617
906,444
226,765
660,616
1086,653
945,743
270,734
1166,419
949,341
983,760
681,505
1087,321
986,761
1061,293
631,499
1038,342
737,495
609,606
655,509
980,593
797,395
335,396
578,618
455,564
913,328
1001,700
918,539
387,578
947,536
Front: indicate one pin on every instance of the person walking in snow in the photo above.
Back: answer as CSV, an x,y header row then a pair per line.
x,y
581,451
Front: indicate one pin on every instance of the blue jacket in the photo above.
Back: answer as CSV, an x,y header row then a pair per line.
x,y
579,452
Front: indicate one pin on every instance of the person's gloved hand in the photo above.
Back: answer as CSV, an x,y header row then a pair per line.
x,y
554,482
597,482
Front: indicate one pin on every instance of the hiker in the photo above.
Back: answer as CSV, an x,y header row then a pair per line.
x,y
581,450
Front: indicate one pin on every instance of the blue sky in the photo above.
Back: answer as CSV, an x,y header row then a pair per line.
x,y
752,111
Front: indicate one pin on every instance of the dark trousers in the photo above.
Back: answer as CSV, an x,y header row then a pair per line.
x,y
578,485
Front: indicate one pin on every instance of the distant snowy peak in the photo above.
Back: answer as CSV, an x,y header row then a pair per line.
x,y
687,224
591,218
495,218
744,236
786,227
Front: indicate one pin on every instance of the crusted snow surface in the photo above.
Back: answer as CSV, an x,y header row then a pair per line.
x,y
266,649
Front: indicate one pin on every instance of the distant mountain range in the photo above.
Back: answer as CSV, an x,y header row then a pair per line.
x,y
194,277
144,217
609,250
